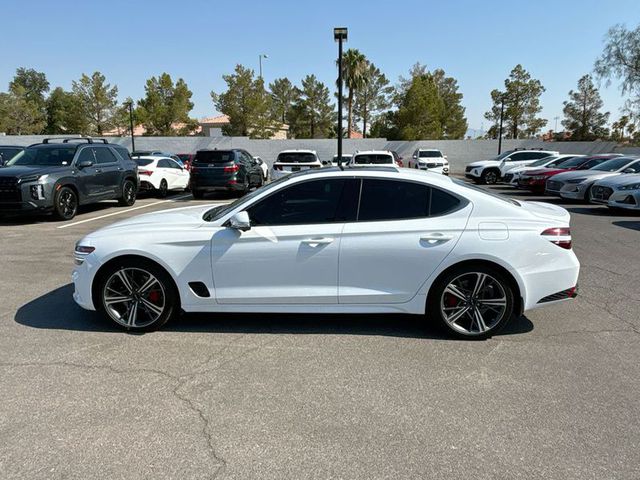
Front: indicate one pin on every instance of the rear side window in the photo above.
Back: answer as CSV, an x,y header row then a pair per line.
x,y
296,157
104,155
143,162
123,152
373,159
164,163
442,202
392,200
215,156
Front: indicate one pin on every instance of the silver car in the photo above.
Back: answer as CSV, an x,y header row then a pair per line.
x,y
621,191
575,184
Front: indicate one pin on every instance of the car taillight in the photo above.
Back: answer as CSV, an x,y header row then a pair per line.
x,y
145,172
231,169
561,236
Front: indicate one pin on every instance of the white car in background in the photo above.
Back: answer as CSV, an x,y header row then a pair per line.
x,y
290,161
620,191
263,166
490,171
430,159
372,158
576,184
161,174
511,177
358,240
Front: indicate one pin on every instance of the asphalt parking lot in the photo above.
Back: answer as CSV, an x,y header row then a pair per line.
x,y
555,396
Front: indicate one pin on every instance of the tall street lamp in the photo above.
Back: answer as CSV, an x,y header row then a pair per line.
x,y
500,132
340,35
260,57
133,142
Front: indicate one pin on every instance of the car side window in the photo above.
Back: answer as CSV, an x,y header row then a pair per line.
x,y
104,155
442,202
163,163
174,164
633,168
393,200
86,154
517,157
328,200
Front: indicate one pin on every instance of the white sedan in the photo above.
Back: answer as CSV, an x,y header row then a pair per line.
x,y
161,175
358,240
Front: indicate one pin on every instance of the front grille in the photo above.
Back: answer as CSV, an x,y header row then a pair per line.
x,y
563,295
468,169
507,177
553,185
601,193
9,189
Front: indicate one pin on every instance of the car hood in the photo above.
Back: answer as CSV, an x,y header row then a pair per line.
x,y
547,211
485,163
164,220
27,170
620,180
590,174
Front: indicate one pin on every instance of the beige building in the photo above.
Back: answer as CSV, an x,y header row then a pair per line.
x,y
212,127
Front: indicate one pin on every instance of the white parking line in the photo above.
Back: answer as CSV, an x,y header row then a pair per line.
x,y
124,211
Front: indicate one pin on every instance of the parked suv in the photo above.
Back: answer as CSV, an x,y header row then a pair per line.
x,y
290,161
224,170
430,159
490,171
58,175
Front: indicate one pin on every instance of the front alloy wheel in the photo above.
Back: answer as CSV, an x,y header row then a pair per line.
x,y
128,197
65,204
474,303
490,177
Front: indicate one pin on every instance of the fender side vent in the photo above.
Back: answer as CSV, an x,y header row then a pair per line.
x,y
200,289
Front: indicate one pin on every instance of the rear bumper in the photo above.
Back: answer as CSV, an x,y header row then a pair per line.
x,y
546,281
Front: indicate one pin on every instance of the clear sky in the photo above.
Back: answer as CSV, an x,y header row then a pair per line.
x,y
477,42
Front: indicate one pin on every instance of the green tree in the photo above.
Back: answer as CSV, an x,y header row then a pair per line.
x,y
64,113
583,118
18,114
313,113
246,103
166,105
620,58
453,120
35,85
98,100
421,110
386,126
521,104
354,68
284,95
373,97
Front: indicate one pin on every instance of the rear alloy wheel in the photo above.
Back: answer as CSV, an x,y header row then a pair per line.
x,y
128,197
137,295
490,177
473,302
65,204
163,188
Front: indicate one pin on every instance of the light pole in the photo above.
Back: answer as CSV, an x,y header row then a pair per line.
x,y
500,132
260,57
133,142
340,35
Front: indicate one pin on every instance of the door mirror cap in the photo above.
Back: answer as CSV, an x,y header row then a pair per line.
x,y
240,221
85,164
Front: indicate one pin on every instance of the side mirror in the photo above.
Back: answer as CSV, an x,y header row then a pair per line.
x,y
240,221
84,164
629,170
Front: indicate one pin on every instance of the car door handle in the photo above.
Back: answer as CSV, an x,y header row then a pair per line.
x,y
436,237
314,242
98,170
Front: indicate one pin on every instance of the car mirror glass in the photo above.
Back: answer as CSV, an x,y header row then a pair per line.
x,y
240,221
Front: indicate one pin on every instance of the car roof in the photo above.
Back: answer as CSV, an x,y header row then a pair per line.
x,y
374,152
429,150
295,150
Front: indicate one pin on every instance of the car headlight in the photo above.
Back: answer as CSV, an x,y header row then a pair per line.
x,y
80,252
633,186
576,180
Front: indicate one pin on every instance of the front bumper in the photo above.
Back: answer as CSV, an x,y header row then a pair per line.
x,y
574,191
82,278
627,199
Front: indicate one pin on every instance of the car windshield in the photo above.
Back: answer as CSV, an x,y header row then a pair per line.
x,y
296,157
614,164
573,162
373,159
220,211
214,156
50,157
143,161
486,192
430,154
543,161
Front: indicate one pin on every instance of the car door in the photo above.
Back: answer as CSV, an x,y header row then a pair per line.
x,y
404,230
180,173
165,172
87,178
290,254
109,172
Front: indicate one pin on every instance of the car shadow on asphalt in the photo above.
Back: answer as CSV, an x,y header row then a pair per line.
x,y
56,310
628,224
32,218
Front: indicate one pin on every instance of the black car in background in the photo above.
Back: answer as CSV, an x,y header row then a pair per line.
x,y
7,152
60,174
224,170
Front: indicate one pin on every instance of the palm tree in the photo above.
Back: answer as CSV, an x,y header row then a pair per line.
x,y
354,73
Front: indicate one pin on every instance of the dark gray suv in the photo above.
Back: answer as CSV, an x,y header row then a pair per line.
x,y
58,175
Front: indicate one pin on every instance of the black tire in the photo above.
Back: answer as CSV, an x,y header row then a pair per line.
x,y
496,288
163,189
197,194
490,176
65,204
165,293
129,194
